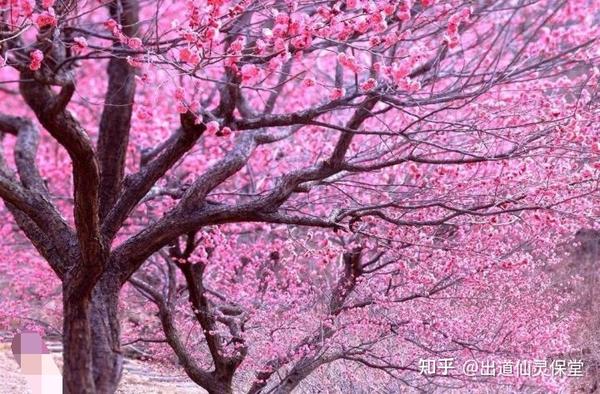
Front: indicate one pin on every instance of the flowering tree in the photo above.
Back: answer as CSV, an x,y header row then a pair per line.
x,y
407,124
270,317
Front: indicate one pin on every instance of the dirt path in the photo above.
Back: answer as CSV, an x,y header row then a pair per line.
x,y
137,377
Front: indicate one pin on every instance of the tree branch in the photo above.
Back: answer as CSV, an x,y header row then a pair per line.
x,y
136,186
115,123
68,132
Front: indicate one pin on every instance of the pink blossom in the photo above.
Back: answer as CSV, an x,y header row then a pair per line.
x,y
337,93
36,57
388,9
280,30
212,127
47,18
282,18
212,33
414,86
280,44
112,25
134,43
267,33
348,61
351,4
182,108
274,64
134,62
261,46
451,40
190,36
249,72
374,41
403,15
188,56
453,23
381,26
194,106
404,10
308,82
302,41
465,13
297,24
179,93
237,45
324,12
27,7
79,44
370,7
399,71
368,85
144,114
362,24
377,17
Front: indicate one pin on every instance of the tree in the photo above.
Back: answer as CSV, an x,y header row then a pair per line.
x,y
377,117
279,309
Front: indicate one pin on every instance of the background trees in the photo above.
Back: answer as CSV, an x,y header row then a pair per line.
x,y
444,145
272,316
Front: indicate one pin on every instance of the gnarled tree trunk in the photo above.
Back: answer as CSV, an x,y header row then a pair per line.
x,y
106,346
77,342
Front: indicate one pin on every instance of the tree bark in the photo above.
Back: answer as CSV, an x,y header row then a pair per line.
x,y
296,375
77,343
221,387
106,345
210,381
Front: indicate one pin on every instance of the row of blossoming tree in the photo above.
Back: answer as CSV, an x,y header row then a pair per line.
x,y
294,191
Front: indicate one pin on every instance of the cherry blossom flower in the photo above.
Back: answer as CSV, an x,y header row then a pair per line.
x,y
249,72
337,93
79,44
134,43
36,57
46,18
369,84
212,127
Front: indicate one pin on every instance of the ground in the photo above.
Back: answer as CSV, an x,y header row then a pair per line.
x,y
137,378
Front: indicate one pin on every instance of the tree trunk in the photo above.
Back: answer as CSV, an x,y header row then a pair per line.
x,y
224,389
288,384
300,372
221,385
106,343
77,343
